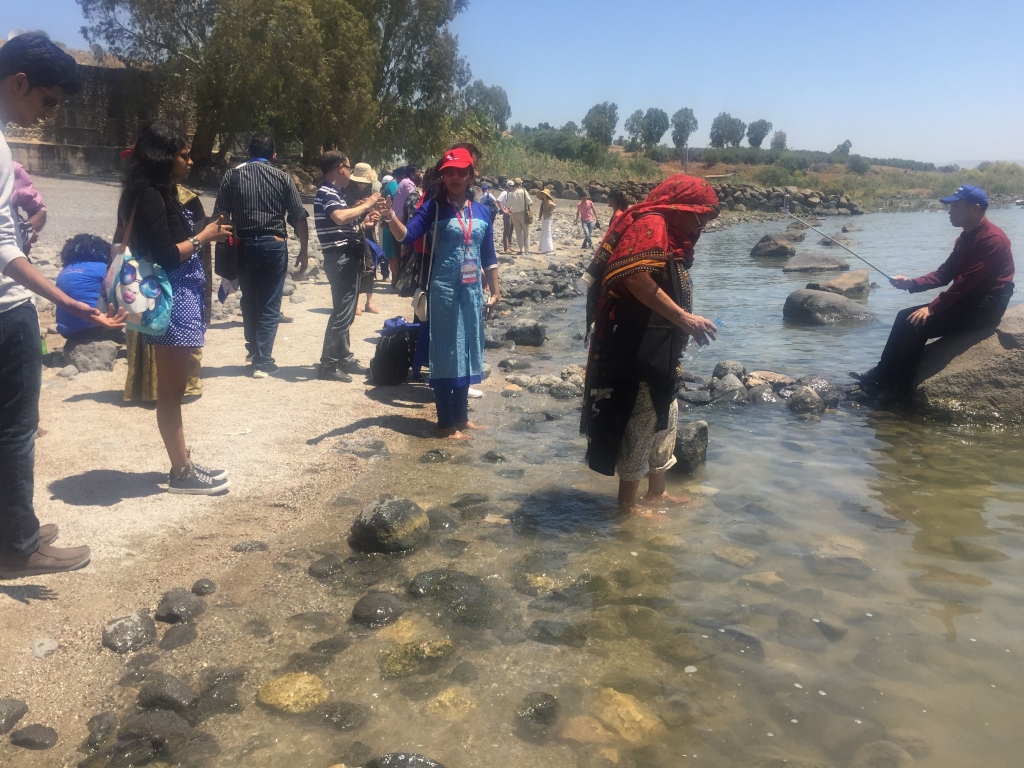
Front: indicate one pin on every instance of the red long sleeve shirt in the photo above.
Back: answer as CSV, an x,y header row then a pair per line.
x,y
981,261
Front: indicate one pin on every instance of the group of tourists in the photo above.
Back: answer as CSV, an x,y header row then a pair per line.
x,y
437,245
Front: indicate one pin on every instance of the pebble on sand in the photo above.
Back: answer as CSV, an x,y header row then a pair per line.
x,y
34,736
128,633
44,647
250,546
204,587
11,711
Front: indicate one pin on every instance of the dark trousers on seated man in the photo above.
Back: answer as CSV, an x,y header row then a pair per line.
x,y
261,275
898,365
343,266
21,366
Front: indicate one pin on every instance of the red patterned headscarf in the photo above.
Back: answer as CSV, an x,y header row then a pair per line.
x,y
647,235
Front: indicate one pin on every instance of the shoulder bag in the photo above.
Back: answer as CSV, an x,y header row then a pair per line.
x,y
526,210
138,286
420,299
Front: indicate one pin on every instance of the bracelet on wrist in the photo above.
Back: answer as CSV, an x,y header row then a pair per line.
x,y
197,246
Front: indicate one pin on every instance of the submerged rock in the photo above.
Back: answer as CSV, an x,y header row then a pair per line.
x,y
552,632
691,446
627,716
327,566
165,692
463,598
402,760
805,400
420,658
34,736
536,715
101,730
823,308
179,635
800,632
812,262
159,726
332,646
389,525
586,730
204,587
975,377
179,605
342,716
296,692
11,711
435,456
128,633
377,609
881,754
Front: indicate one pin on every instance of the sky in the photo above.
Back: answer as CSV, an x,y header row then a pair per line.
x,y
928,80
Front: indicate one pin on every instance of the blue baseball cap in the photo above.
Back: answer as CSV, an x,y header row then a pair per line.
x,y
974,195
485,185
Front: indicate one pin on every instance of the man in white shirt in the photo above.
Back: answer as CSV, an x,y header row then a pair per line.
x,y
519,205
35,76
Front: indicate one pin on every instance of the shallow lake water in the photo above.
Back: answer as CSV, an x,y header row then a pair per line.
x,y
835,582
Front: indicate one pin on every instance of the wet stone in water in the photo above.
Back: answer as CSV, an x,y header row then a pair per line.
x,y
221,697
166,692
258,627
377,609
159,726
204,587
435,456
389,525
332,646
250,546
537,713
464,599
800,632
357,754
11,711
470,500
178,635
296,692
342,715
463,673
306,662
421,690
494,457
129,633
34,736
743,641
552,632
327,566
452,547
681,650
625,715
590,591
881,754
179,605
101,730
312,621
415,658
403,760
643,688
442,520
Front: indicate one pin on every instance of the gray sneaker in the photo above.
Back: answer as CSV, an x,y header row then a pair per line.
x,y
197,484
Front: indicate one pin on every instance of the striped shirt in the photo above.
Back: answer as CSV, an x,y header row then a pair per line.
x,y
329,199
259,197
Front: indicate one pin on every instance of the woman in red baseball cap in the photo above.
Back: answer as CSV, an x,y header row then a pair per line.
x,y
459,257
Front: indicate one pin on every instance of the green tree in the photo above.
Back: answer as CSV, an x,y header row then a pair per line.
x,y
779,140
843,150
490,102
683,125
600,121
655,123
757,131
726,129
858,164
634,126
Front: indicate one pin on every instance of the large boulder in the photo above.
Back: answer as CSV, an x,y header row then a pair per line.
x,y
691,446
773,246
824,308
91,355
814,262
389,525
850,284
528,333
975,377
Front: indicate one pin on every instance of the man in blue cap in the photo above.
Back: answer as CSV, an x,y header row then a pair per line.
x,y
980,269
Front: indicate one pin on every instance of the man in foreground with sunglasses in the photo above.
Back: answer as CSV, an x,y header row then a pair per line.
x,y
35,76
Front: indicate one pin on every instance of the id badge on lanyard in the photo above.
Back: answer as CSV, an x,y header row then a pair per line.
x,y
470,265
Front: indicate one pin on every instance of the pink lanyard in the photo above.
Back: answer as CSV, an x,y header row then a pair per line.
x,y
467,233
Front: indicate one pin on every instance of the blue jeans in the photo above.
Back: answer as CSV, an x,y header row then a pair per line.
x,y
21,367
452,405
261,277
588,229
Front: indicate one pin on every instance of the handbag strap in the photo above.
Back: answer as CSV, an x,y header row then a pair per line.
x,y
126,237
433,240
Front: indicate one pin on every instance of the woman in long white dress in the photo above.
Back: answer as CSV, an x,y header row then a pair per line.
x,y
547,212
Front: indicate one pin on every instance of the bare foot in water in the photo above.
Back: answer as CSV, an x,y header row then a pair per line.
x,y
639,510
471,425
663,500
453,434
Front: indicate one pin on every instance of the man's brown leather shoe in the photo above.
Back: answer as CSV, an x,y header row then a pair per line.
x,y
48,533
46,559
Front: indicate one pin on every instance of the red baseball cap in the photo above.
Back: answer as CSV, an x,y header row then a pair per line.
x,y
456,158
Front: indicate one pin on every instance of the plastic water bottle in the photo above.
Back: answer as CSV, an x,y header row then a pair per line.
x,y
692,355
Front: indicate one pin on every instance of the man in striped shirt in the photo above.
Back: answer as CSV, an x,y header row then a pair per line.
x,y
342,247
259,198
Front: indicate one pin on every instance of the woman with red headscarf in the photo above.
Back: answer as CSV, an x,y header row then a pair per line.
x,y
642,322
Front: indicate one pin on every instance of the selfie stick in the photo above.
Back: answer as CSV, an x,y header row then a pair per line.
x,y
887,277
